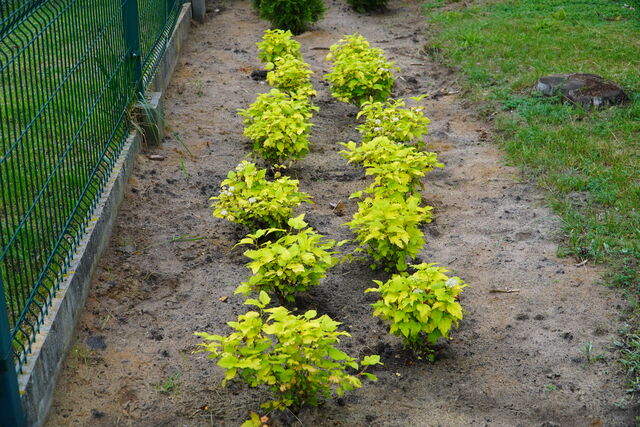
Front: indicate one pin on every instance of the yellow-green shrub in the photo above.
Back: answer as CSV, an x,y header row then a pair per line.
x,y
422,306
388,227
396,167
293,263
248,198
390,119
359,72
295,356
277,43
278,124
291,75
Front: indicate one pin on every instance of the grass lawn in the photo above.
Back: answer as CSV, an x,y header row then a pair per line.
x,y
588,161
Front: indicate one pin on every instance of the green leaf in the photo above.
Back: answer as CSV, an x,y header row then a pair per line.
x,y
297,223
369,376
264,298
228,361
245,241
250,301
254,421
336,354
455,309
310,314
373,359
356,195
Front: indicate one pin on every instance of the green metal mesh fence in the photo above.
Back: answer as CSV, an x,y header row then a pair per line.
x,y
69,73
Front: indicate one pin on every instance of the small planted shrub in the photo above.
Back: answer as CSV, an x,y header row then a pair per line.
x,y
247,198
368,5
396,167
388,227
421,307
291,75
293,263
278,124
359,73
390,119
349,46
295,356
276,44
292,15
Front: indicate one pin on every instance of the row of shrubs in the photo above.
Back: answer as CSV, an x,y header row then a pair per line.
x,y
296,355
296,15
423,304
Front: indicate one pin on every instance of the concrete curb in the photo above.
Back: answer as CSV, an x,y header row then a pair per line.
x,y
40,374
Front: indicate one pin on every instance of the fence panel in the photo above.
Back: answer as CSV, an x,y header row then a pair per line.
x,y
67,82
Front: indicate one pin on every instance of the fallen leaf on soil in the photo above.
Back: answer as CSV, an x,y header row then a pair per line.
x,y
338,208
224,298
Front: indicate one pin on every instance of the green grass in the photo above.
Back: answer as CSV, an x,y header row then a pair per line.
x,y
588,161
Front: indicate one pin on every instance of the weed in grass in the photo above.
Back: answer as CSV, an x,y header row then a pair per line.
x,y
629,348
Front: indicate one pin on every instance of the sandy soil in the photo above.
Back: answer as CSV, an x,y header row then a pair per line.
x,y
516,359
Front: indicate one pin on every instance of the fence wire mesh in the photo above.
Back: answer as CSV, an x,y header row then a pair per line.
x,y
67,83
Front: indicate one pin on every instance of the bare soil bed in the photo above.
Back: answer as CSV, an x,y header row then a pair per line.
x,y
516,359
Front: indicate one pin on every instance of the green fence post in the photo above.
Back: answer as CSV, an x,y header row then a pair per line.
x,y
11,413
131,22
